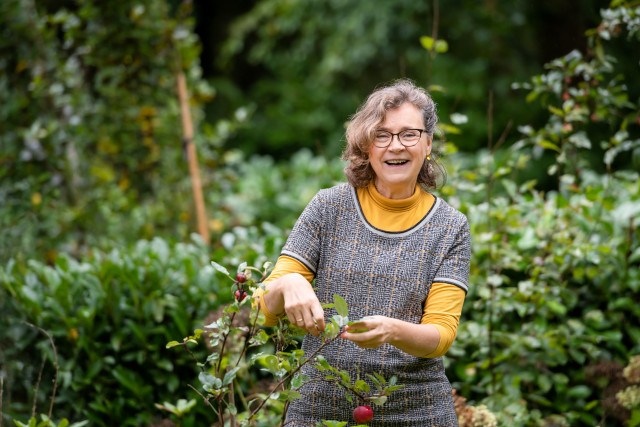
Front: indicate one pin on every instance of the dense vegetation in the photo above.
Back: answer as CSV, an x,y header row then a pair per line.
x,y
97,253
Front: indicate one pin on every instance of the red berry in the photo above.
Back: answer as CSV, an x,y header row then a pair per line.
x,y
363,414
566,96
241,277
240,295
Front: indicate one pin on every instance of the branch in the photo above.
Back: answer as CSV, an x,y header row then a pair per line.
x,y
224,342
205,400
35,389
55,377
291,374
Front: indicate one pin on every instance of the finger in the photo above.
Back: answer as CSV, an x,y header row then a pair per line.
x,y
318,317
358,327
309,324
296,318
360,337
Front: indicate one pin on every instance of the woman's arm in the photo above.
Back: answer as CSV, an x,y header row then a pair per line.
x,y
416,339
431,338
284,265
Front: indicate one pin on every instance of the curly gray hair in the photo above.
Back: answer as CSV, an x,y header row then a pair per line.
x,y
371,114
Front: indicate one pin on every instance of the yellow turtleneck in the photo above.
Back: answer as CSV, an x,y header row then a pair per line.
x,y
444,303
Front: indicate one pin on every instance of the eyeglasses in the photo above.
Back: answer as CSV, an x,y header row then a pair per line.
x,y
408,137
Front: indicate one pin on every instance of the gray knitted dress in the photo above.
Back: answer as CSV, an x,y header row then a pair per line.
x,y
378,273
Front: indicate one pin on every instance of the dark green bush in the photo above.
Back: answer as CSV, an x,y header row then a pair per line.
x,y
110,316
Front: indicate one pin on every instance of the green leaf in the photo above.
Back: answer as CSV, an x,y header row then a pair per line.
x,y
341,305
548,145
293,395
362,386
323,362
579,391
556,111
449,129
232,409
298,380
209,382
332,330
634,421
220,268
427,42
378,400
271,362
441,46
172,344
344,375
229,376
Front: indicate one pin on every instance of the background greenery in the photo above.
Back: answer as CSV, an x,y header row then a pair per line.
x,y
539,109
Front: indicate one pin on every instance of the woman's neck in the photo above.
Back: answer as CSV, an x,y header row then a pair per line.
x,y
391,192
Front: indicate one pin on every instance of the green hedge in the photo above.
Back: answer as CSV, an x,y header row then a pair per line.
x,y
110,317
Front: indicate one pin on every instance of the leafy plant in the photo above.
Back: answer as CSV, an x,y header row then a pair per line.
x,y
554,262
110,316
222,380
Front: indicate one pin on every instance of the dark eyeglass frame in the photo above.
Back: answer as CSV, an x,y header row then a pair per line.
x,y
399,135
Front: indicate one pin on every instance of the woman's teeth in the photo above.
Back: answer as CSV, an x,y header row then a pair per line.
x,y
396,162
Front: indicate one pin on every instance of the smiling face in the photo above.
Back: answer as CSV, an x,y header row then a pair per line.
x,y
396,166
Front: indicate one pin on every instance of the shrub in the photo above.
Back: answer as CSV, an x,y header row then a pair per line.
x,y
110,316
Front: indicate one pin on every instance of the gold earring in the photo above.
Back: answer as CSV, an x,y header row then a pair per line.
x,y
428,157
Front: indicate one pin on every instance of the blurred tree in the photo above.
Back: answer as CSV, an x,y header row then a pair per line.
x,y
89,114
304,66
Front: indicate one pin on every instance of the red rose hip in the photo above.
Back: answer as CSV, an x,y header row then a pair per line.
x,y
240,295
363,414
241,277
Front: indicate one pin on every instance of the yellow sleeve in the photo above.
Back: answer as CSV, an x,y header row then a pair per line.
x,y
284,265
442,310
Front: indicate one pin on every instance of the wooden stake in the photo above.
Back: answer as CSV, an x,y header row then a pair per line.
x,y
192,158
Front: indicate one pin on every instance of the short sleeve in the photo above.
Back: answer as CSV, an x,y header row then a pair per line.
x,y
305,239
455,263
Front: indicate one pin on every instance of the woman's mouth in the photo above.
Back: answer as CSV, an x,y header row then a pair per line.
x,y
396,162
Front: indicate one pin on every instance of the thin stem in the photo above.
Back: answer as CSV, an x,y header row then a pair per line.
x,y
232,401
252,331
55,376
291,374
241,395
503,136
35,389
346,387
224,342
205,400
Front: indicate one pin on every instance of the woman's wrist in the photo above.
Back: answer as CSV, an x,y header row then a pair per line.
x,y
273,297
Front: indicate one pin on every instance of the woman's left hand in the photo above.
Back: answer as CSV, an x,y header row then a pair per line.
x,y
378,331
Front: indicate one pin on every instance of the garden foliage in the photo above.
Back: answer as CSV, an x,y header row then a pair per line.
x,y
548,325
89,122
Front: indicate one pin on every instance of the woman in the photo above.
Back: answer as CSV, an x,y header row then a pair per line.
x,y
397,254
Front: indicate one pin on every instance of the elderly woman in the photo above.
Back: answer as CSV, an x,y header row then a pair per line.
x,y
396,253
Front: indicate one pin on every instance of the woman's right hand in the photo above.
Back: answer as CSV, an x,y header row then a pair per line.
x,y
294,294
